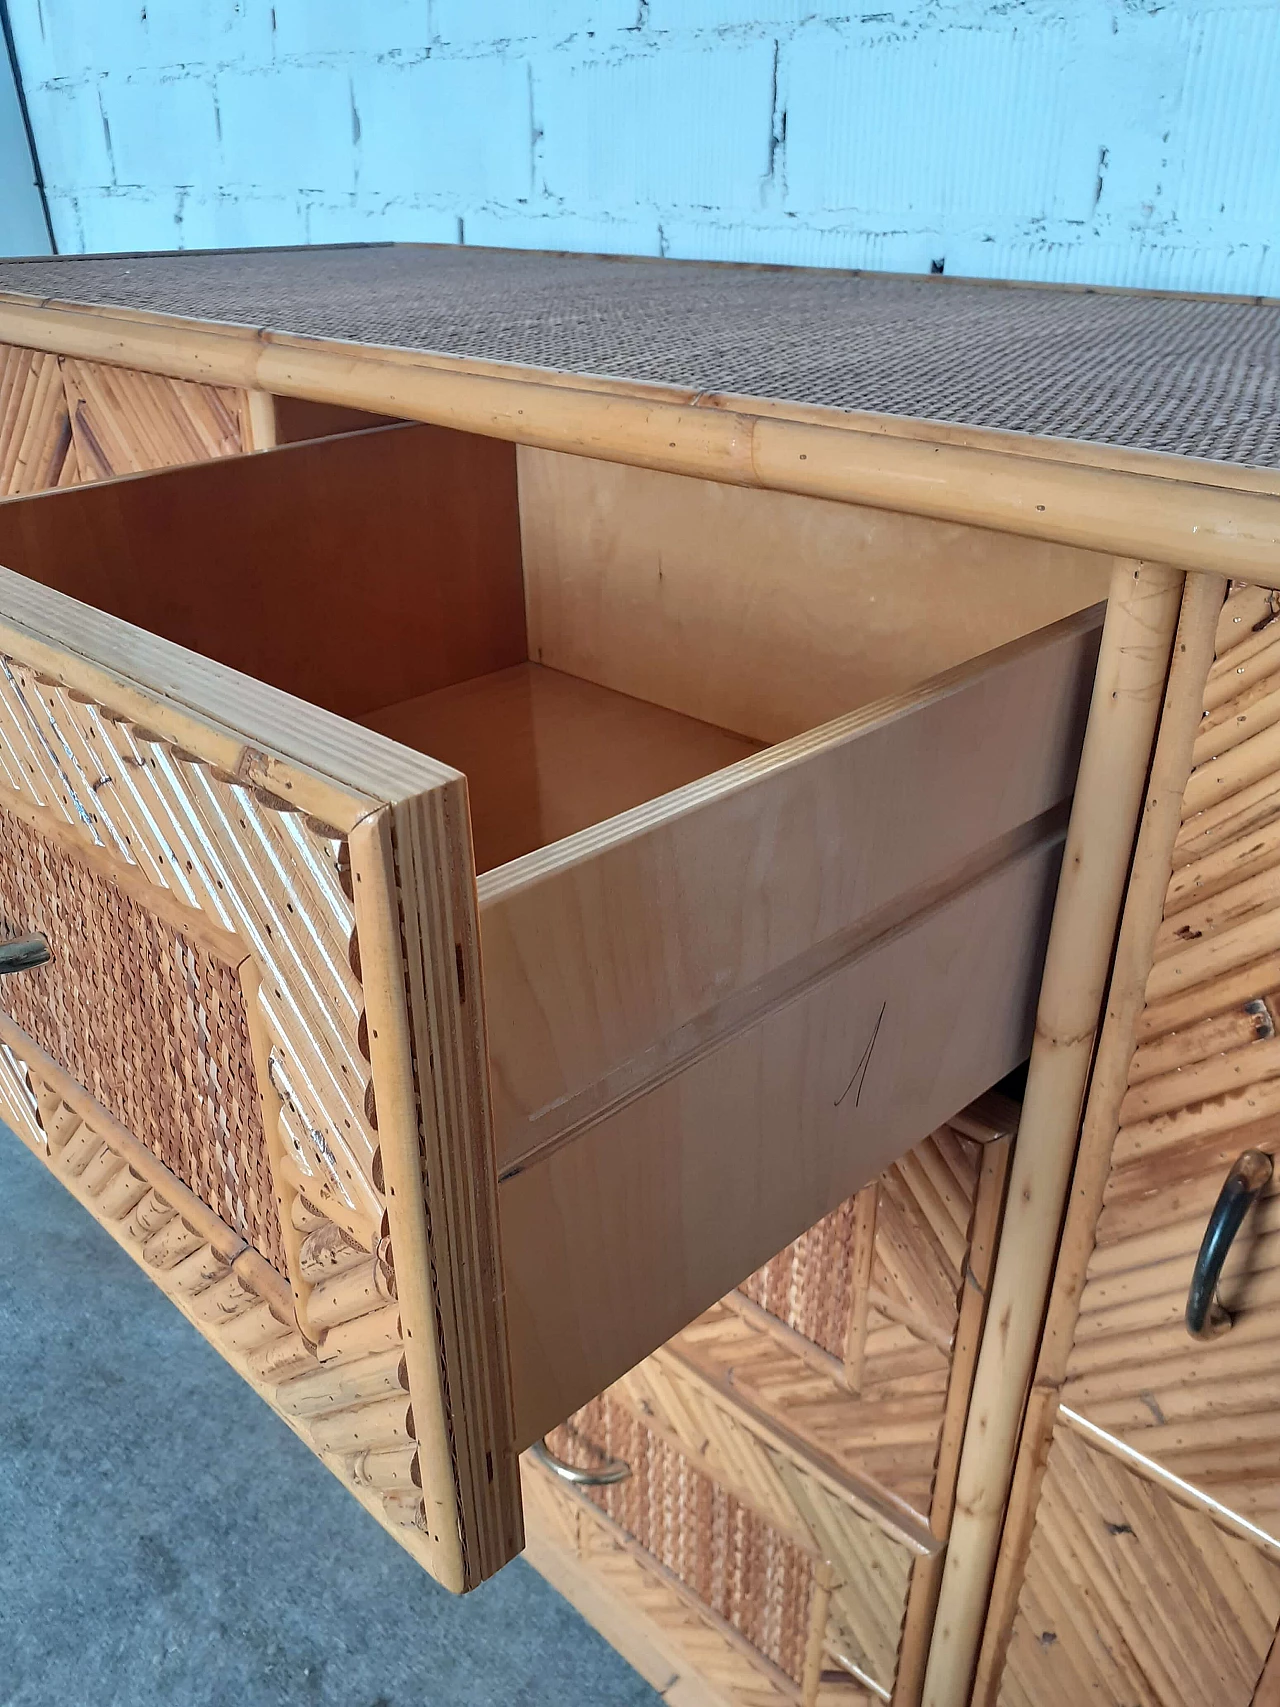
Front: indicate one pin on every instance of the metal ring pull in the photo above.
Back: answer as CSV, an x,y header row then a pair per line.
x,y
1206,1318
616,1470
24,952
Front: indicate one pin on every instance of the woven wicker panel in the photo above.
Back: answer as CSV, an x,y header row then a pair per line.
x,y
870,1570
155,1027
643,1603
736,1564
252,867
151,1023
1131,1600
811,1284
125,422
36,448
875,1286
1195,378
1204,1085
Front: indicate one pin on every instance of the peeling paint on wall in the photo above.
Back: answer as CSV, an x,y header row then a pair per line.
x,y
1102,141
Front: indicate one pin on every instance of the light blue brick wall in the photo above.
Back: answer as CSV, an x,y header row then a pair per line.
x,y
1107,141
22,224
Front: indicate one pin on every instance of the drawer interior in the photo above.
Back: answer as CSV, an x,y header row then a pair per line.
x,y
577,637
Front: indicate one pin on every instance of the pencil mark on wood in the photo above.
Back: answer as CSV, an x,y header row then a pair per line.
x,y
860,1071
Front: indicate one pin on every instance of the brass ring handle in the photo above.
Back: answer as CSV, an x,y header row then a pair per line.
x,y
1206,1318
24,952
616,1470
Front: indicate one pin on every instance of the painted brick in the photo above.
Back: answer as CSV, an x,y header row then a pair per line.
x,y
956,124
245,221
71,136
163,130
456,128
574,233
737,14
286,130
68,38
671,129
1105,140
399,27
363,221
798,244
468,23
193,33
1227,141
129,219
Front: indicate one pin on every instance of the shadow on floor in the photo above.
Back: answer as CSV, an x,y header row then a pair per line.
x,y
166,1542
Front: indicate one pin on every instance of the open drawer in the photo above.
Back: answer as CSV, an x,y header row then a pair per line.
x,y
440,1090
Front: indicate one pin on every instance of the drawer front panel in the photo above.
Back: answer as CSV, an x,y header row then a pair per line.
x,y
868,1566
738,1565
151,1021
877,1285
263,944
1132,1599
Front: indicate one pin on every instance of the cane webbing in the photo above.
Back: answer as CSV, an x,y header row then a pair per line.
x,y
151,1023
1181,375
732,1560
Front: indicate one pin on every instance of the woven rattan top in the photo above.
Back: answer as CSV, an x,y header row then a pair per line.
x,y
1185,376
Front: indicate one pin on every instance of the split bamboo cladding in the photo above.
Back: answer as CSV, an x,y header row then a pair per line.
x,y
194,1063
64,422
1141,1560
756,642
792,1453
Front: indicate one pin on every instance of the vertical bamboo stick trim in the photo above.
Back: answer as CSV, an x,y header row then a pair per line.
x,y
1171,766
864,1250
819,1610
1132,668
377,906
258,421
272,1110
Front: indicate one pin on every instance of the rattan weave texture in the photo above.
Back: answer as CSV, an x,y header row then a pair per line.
x,y
733,1561
1183,376
810,1284
152,1024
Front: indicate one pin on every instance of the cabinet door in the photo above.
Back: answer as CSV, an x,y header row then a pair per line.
x,y
1144,1564
256,1051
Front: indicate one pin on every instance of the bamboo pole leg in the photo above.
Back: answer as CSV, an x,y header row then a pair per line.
x,y
1128,690
1143,909
258,425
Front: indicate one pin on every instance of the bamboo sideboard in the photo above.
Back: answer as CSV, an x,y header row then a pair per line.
x,y
751,621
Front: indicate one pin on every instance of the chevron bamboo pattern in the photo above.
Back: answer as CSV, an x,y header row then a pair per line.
x,y
847,1335
125,422
659,1608
246,864
751,1407
36,448
1204,1084
870,1569
1133,1600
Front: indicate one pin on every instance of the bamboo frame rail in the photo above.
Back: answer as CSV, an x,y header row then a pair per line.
x,y
1144,906
1228,527
1128,692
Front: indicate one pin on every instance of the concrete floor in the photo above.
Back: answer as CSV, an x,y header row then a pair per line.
x,y
166,1542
